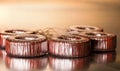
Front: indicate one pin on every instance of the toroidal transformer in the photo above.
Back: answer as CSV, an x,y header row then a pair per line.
x,y
26,45
69,46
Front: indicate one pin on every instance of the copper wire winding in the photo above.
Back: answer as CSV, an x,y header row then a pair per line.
x,y
52,32
26,46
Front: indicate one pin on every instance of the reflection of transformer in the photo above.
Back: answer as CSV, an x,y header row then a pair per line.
x,y
2,54
26,63
104,57
65,64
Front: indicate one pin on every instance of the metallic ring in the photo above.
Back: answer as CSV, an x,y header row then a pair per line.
x,y
7,33
77,29
101,41
69,46
26,45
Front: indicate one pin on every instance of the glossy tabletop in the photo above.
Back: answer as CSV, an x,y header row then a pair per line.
x,y
104,61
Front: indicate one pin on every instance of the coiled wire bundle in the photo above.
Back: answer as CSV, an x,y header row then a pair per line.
x,y
8,33
101,41
26,45
64,43
69,46
76,29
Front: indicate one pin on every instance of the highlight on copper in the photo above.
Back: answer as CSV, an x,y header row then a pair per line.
x,y
14,63
68,64
104,57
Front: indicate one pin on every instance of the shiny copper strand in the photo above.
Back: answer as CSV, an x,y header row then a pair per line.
x,y
64,64
104,57
2,40
103,44
26,63
67,49
26,48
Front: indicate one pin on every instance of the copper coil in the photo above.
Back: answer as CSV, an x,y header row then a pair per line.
x,y
69,46
23,64
65,64
26,45
83,28
104,58
101,41
7,33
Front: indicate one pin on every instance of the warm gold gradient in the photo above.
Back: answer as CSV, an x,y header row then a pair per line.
x,y
36,14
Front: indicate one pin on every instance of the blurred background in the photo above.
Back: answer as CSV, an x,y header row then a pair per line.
x,y
37,14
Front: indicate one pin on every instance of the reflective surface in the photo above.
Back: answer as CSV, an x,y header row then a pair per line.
x,y
97,61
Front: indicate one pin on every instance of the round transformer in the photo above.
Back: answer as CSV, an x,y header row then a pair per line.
x,y
85,28
69,46
7,33
76,29
26,45
101,41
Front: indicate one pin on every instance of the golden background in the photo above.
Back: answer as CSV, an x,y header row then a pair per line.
x,y
37,14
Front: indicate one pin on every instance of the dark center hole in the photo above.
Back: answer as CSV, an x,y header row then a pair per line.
x,y
86,28
68,38
94,34
15,31
83,28
26,38
90,28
